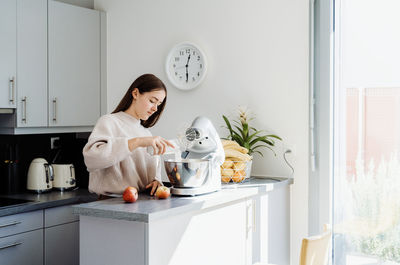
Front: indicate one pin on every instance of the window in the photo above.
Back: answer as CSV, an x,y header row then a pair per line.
x,y
366,175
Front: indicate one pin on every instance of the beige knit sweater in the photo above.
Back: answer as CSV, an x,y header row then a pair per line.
x,y
112,167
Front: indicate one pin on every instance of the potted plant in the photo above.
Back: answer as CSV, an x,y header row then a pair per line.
x,y
243,140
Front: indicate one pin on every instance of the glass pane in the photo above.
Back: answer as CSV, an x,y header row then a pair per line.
x,y
367,133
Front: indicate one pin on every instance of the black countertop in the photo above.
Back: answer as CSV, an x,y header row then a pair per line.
x,y
46,200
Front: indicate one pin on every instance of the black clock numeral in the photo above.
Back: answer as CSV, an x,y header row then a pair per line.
x,y
188,51
198,58
194,52
176,59
176,73
201,66
181,52
198,73
180,77
194,79
174,65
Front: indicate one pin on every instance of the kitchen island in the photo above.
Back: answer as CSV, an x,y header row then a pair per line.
x,y
241,224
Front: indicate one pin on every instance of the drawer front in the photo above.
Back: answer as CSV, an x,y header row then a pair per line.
x,y
62,244
59,215
24,248
19,223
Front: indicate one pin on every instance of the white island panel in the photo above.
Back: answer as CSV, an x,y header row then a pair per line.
x,y
216,236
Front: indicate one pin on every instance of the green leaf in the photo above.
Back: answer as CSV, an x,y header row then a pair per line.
x,y
255,129
237,122
258,152
240,130
258,146
246,145
245,131
231,130
228,124
238,139
269,147
274,136
257,139
252,135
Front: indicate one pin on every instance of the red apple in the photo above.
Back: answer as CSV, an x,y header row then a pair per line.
x,y
162,192
130,194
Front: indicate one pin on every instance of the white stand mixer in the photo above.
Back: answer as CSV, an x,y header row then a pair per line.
x,y
198,172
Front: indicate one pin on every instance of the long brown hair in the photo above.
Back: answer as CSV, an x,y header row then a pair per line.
x,y
144,83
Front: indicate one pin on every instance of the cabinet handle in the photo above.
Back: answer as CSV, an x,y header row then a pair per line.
x,y
55,110
10,245
248,220
12,86
24,107
10,224
254,216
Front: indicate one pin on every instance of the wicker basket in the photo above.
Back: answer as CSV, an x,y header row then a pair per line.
x,y
235,171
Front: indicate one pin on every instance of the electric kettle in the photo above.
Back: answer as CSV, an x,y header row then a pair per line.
x,y
40,176
64,176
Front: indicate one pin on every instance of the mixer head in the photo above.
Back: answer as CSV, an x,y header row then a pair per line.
x,y
202,139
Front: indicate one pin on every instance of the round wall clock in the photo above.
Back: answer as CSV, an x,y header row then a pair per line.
x,y
186,66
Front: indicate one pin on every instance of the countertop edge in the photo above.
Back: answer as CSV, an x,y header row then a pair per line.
x,y
104,209
47,201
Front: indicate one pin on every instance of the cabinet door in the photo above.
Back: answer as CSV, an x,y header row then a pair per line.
x,y
271,234
62,244
25,248
8,53
74,65
32,63
217,236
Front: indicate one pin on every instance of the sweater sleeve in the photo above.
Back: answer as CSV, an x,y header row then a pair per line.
x,y
103,148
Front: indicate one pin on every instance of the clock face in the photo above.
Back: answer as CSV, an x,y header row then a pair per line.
x,y
186,66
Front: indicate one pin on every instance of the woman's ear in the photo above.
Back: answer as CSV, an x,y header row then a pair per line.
x,y
135,92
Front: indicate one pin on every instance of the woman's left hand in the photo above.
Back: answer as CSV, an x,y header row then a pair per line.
x,y
153,185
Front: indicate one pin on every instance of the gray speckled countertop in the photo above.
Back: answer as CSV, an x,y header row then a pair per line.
x,y
148,208
47,200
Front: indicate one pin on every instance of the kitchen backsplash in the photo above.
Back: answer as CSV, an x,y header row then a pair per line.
x,y
17,152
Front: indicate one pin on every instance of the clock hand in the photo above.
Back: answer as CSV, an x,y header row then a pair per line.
x,y
187,65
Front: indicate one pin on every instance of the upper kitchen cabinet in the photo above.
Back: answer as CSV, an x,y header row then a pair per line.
x,y
32,63
8,52
74,65
52,67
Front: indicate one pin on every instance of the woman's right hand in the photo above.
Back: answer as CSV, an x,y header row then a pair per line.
x,y
158,143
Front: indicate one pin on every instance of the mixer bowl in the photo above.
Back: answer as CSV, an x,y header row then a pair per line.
x,y
187,173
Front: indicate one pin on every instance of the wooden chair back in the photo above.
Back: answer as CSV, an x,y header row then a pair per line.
x,y
314,250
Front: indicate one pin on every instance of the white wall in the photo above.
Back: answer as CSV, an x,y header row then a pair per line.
x,y
258,56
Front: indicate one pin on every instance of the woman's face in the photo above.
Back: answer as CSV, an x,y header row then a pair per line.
x,y
147,103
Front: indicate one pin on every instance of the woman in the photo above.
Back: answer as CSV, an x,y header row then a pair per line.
x,y
116,153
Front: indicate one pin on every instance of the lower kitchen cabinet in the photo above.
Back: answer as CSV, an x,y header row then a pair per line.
x,y
62,244
43,237
24,248
61,236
